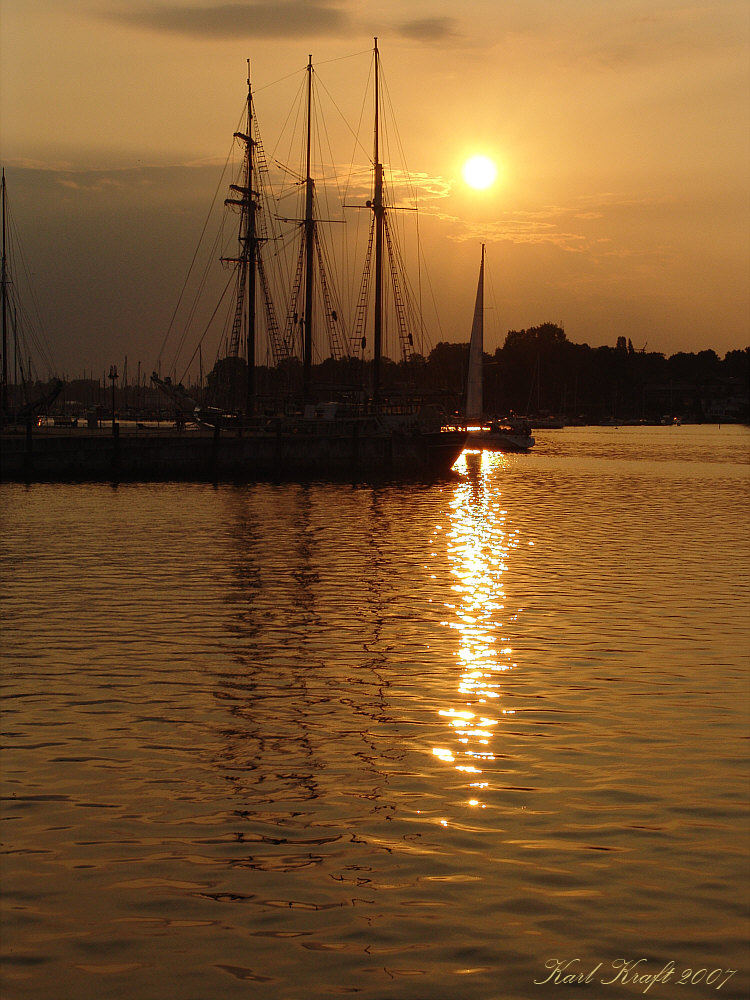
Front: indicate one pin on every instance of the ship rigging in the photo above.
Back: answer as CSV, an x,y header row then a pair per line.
x,y
276,419
268,270
23,395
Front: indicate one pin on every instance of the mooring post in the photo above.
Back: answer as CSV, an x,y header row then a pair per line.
x,y
355,444
115,426
113,377
215,446
28,456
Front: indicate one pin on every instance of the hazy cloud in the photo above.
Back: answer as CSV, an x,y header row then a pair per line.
x,y
519,228
90,183
43,166
560,226
404,190
251,19
429,29
553,225
614,36
272,19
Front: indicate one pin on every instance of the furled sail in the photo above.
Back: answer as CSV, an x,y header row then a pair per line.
x,y
474,402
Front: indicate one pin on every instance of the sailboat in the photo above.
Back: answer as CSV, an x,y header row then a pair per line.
x,y
492,434
309,434
243,435
14,411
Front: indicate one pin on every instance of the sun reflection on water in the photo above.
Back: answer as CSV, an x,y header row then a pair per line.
x,y
479,541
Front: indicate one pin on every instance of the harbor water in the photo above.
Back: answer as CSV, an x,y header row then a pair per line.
x,y
435,741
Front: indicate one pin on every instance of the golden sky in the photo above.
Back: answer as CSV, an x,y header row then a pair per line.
x,y
621,129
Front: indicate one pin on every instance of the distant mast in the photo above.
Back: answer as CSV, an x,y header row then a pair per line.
x,y
4,279
379,212
309,247
474,402
251,253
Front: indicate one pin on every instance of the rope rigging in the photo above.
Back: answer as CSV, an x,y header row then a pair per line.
x,y
295,260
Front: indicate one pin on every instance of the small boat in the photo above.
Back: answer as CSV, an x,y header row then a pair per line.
x,y
493,433
546,422
502,435
185,406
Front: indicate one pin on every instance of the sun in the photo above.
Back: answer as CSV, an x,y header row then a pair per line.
x,y
480,172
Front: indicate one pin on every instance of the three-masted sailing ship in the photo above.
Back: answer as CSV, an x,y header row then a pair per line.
x,y
293,431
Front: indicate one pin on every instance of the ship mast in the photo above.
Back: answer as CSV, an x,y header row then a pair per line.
x,y
4,279
309,247
251,250
379,211
247,261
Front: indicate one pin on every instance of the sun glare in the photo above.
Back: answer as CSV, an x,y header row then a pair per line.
x,y
479,172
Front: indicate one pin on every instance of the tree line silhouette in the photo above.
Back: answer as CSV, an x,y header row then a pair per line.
x,y
537,372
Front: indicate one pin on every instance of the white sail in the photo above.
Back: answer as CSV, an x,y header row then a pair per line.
x,y
474,403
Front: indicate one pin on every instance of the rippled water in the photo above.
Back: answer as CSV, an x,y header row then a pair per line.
x,y
291,741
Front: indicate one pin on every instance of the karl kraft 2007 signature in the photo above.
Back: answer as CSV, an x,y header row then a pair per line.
x,y
568,972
